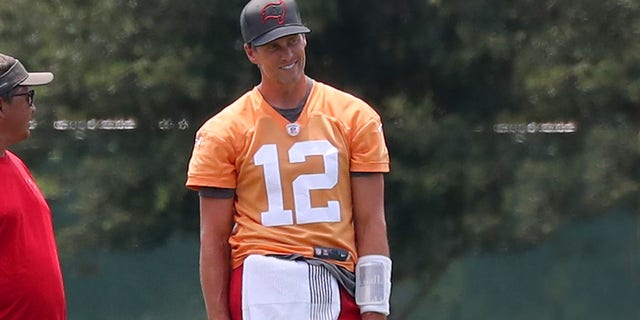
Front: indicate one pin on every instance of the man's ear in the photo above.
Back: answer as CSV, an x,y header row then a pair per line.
x,y
250,51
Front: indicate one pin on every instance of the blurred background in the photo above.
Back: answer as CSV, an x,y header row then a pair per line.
x,y
513,128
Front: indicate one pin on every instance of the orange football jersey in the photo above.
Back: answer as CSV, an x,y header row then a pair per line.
x,y
292,180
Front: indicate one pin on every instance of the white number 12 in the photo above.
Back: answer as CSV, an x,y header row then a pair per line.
x,y
276,215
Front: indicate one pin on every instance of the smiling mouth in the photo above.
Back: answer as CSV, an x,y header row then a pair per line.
x,y
290,66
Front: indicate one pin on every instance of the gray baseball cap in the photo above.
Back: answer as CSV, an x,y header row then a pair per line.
x,y
18,75
263,21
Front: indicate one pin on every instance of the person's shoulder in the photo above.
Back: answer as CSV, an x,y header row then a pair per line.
x,y
10,156
235,115
239,107
344,103
332,92
11,160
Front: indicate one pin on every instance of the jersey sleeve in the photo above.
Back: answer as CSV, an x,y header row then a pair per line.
x,y
212,161
368,148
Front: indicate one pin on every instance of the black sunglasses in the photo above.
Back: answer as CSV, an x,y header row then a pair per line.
x,y
30,94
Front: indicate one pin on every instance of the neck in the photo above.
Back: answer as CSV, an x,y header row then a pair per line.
x,y
282,96
3,147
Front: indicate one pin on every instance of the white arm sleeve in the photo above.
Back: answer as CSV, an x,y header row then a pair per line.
x,y
373,283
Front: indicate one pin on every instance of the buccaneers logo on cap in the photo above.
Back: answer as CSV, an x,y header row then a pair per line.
x,y
274,10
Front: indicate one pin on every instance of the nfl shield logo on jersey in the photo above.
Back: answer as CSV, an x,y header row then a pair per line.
x,y
293,129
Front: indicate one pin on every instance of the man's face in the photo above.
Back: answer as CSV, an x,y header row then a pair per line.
x,y
281,60
15,116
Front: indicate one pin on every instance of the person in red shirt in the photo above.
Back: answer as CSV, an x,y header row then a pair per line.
x,y
291,184
31,284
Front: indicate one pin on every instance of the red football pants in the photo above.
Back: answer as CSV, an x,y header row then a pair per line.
x,y
348,308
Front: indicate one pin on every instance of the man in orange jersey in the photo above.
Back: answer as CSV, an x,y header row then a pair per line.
x,y
290,178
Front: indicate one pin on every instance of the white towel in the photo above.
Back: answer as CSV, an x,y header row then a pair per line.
x,y
274,288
